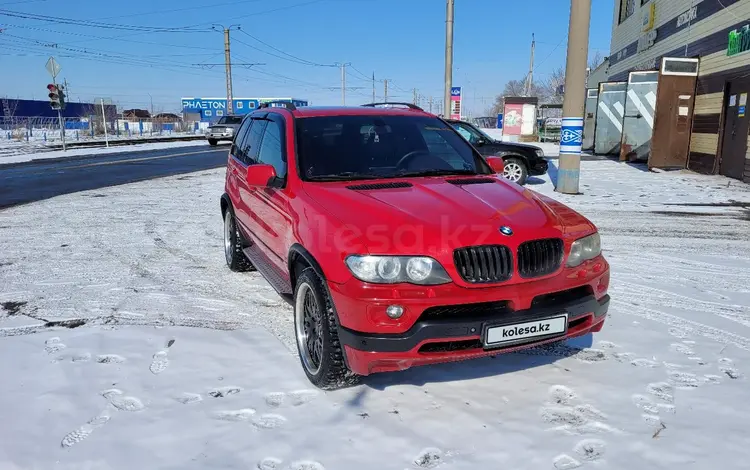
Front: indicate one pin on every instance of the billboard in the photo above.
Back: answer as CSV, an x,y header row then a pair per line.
x,y
211,109
455,111
513,119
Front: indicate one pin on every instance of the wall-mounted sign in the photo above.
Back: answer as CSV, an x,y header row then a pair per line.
x,y
739,41
500,121
646,40
687,16
647,22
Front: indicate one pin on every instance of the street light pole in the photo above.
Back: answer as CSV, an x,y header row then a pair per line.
x,y
448,57
571,135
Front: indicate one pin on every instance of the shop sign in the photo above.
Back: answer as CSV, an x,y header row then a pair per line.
x,y
687,16
739,41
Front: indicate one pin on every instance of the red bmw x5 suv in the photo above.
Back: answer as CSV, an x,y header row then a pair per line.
x,y
399,245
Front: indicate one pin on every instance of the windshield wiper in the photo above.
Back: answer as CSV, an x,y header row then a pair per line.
x,y
436,172
345,176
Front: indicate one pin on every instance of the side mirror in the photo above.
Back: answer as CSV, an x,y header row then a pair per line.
x,y
260,175
496,163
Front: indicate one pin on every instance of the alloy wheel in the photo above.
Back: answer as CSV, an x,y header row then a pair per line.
x,y
309,328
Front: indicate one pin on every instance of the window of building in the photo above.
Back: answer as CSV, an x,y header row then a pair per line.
x,y
239,105
209,113
627,8
219,112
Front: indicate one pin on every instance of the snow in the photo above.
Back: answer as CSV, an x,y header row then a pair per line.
x,y
184,364
77,152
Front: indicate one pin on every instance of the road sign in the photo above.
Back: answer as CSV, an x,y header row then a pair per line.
x,y
53,67
455,111
500,121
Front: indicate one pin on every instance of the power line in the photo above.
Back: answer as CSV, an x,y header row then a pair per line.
x,y
95,24
302,61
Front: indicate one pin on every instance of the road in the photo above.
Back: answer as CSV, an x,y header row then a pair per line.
x,y
34,181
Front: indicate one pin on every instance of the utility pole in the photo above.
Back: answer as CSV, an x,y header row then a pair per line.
x,y
373,87
530,77
343,83
430,104
385,90
228,65
448,56
415,97
571,135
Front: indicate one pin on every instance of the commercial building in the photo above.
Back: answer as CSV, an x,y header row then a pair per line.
x,y
677,86
211,109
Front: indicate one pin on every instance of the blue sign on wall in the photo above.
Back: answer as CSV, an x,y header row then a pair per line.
x,y
456,91
500,121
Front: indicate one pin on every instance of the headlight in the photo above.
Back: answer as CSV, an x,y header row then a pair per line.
x,y
584,249
230,130
395,269
539,152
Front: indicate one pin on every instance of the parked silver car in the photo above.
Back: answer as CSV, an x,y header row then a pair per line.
x,y
223,129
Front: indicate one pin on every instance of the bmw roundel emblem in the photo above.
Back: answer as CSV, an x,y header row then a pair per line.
x,y
505,230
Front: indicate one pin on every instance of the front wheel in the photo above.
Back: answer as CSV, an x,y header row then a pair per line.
x,y
320,351
515,170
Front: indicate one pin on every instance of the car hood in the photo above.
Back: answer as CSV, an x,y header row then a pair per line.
x,y
514,145
434,215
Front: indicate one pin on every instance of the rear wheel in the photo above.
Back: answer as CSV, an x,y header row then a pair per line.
x,y
236,259
320,351
515,170
212,141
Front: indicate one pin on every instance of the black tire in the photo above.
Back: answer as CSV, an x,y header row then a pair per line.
x,y
235,258
212,141
331,372
519,173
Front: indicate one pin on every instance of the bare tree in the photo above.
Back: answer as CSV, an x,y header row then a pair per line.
x,y
596,61
553,86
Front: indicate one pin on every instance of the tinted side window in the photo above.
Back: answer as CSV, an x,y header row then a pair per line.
x,y
239,139
272,149
251,145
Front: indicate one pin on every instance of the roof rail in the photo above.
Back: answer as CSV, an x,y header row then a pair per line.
x,y
286,104
408,105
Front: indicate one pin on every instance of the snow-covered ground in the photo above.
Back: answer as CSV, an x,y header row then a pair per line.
x,y
13,147
175,362
77,152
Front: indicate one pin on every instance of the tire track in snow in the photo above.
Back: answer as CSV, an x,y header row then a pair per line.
x,y
716,334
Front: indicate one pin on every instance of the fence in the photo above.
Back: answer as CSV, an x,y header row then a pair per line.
x,y
44,130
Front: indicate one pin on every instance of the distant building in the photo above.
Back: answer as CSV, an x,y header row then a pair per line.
x,y
678,85
211,109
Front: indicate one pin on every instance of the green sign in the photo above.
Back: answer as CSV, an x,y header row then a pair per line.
x,y
739,40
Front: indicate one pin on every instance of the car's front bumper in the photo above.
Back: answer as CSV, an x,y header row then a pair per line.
x,y
538,167
434,342
374,342
219,136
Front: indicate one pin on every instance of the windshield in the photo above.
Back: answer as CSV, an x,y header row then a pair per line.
x,y
230,120
367,146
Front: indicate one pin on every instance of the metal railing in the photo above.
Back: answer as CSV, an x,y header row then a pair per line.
x,y
46,130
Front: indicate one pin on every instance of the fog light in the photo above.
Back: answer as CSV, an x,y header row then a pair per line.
x,y
394,311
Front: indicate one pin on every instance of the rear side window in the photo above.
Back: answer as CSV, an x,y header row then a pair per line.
x,y
252,142
272,149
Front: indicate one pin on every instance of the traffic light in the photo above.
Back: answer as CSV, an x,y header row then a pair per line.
x,y
54,96
61,96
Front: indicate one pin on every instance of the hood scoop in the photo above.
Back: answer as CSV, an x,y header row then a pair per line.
x,y
465,181
376,186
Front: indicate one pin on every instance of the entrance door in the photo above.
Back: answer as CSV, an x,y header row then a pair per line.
x,y
638,123
734,144
609,111
670,144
